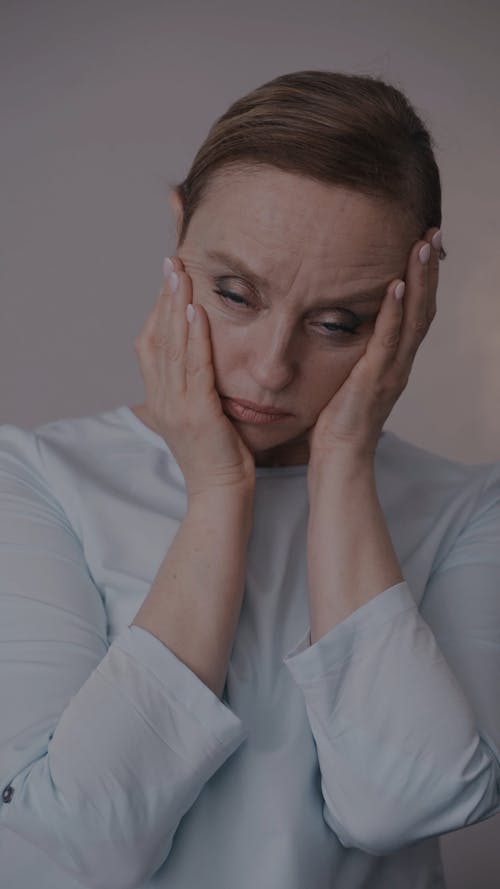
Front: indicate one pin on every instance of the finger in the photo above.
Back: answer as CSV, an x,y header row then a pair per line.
x,y
160,332
155,323
173,330
415,316
384,342
142,346
200,376
148,326
155,346
433,274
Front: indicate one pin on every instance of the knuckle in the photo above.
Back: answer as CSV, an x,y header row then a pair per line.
x,y
173,352
163,342
158,340
178,266
390,340
418,325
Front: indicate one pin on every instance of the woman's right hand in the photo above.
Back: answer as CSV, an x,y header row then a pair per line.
x,y
176,366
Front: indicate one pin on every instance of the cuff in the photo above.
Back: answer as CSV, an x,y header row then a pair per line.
x,y
162,678
309,663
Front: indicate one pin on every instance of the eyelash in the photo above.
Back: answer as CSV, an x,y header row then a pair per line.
x,y
229,296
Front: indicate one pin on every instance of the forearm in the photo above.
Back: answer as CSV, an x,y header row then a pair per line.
x,y
194,604
350,556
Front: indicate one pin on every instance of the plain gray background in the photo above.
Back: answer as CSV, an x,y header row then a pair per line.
x,y
103,104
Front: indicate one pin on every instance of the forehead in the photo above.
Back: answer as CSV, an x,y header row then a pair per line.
x,y
279,213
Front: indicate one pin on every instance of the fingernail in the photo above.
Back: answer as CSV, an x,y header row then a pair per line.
x,y
424,254
399,290
189,312
173,281
168,267
437,240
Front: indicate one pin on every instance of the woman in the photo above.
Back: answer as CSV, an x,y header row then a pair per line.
x,y
258,645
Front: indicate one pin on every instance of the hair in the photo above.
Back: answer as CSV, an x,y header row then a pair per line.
x,y
354,131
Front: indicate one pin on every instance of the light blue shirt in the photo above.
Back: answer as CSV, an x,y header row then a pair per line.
x,y
336,764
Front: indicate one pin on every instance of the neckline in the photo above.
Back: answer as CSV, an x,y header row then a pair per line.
x,y
125,412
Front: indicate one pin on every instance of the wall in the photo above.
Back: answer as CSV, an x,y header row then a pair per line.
x,y
103,104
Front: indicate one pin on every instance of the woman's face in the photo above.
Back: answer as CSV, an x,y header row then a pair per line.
x,y
291,273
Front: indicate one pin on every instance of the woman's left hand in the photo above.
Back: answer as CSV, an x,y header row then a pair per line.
x,y
352,421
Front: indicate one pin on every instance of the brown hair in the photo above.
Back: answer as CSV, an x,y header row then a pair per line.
x,y
350,130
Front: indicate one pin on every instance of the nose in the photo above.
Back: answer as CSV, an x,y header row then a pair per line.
x,y
272,363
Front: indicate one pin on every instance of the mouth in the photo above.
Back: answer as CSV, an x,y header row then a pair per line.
x,y
249,412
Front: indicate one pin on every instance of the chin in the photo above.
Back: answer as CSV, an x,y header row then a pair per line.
x,y
267,437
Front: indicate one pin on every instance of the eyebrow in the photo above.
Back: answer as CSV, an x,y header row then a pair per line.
x,y
368,294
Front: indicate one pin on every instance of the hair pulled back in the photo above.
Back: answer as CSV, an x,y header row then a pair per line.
x,y
349,130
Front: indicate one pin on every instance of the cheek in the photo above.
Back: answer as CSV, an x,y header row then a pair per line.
x,y
217,338
228,346
326,378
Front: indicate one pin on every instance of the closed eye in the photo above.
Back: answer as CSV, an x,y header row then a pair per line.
x,y
232,297
333,327
329,327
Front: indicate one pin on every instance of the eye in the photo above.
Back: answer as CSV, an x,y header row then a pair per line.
x,y
229,296
330,328
334,328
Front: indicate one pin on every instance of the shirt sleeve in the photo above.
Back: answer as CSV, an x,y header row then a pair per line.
x,y
403,704
102,748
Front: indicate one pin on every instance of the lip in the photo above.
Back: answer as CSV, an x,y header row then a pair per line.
x,y
260,408
250,412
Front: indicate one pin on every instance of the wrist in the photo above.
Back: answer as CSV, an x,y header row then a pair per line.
x,y
232,505
339,470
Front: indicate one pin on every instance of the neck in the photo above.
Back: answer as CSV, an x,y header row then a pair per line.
x,y
295,453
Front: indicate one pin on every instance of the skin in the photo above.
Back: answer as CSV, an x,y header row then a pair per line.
x,y
309,243
312,243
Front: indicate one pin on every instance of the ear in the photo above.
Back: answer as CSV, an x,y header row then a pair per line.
x,y
175,202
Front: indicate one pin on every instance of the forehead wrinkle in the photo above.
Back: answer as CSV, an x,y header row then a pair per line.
x,y
283,241
269,256
339,271
372,293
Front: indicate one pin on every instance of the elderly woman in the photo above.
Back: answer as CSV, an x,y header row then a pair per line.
x,y
249,637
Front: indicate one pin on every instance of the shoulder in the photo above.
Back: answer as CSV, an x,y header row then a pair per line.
x,y
412,463
69,435
434,485
408,459
53,454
